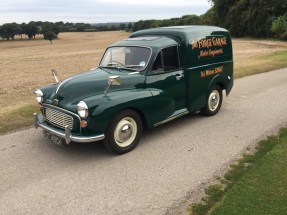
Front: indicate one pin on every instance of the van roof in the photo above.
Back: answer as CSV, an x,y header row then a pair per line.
x,y
155,42
182,33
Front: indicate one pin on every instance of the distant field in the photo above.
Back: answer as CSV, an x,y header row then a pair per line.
x,y
25,65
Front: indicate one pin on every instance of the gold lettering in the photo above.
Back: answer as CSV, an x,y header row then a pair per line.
x,y
208,43
215,52
202,74
218,69
210,72
194,44
203,54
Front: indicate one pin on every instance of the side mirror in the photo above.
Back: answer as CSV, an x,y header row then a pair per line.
x,y
54,73
113,80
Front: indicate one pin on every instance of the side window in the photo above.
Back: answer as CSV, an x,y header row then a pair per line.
x,y
170,58
166,60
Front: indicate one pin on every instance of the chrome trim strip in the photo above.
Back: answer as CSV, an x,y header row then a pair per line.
x,y
63,110
67,136
206,65
62,84
171,118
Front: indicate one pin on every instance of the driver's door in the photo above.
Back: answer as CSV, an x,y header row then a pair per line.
x,y
167,84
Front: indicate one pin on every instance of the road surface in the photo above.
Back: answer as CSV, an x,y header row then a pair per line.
x,y
170,163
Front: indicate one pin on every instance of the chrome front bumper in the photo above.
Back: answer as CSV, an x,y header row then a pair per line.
x,y
66,135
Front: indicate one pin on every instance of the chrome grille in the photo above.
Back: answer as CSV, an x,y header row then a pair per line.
x,y
59,118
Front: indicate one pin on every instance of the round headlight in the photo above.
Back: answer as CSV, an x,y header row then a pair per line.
x,y
83,109
39,96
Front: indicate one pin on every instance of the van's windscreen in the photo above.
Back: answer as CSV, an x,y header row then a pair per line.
x,y
135,58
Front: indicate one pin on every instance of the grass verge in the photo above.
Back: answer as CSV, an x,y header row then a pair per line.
x,y
260,64
18,118
257,184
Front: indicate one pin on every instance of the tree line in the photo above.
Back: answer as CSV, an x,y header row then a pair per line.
x,y
252,18
243,18
184,20
51,30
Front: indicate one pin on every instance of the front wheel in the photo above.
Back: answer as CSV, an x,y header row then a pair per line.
x,y
214,102
124,132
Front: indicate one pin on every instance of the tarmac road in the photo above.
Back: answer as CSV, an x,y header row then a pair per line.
x,y
170,163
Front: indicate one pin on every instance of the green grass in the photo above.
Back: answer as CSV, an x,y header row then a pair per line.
x,y
260,64
18,118
257,184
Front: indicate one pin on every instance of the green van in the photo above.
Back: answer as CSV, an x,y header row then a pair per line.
x,y
154,76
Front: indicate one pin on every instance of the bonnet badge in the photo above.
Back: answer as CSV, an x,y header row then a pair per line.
x,y
55,102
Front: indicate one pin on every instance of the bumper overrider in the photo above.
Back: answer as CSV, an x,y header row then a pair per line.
x,y
66,135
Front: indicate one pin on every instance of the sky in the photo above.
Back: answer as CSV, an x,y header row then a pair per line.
x,y
97,11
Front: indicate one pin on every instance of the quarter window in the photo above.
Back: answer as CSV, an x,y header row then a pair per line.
x,y
157,65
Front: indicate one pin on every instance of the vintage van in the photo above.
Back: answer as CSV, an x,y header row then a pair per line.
x,y
152,77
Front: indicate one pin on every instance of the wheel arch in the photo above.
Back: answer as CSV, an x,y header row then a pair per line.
x,y
219,81
138,111
142,116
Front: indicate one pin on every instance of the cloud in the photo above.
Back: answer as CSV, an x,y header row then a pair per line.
x,y
156,3
95,11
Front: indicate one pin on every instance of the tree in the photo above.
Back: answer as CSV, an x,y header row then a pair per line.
x,y
5,32
23,27
279,27
129,27
47,26
9,30
221,8
189,20
50,35
80,27
50,31
32,30
56,29
248,17
208,17
122,26
112,28
16,30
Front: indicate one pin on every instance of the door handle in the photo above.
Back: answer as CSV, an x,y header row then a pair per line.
x,y
179,76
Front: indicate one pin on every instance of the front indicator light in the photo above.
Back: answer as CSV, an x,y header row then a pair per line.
x,y
84,123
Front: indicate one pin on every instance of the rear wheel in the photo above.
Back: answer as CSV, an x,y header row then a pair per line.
x,y
214,102
124,132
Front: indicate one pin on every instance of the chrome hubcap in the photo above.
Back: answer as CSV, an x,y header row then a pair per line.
x,y
213,101
125,132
